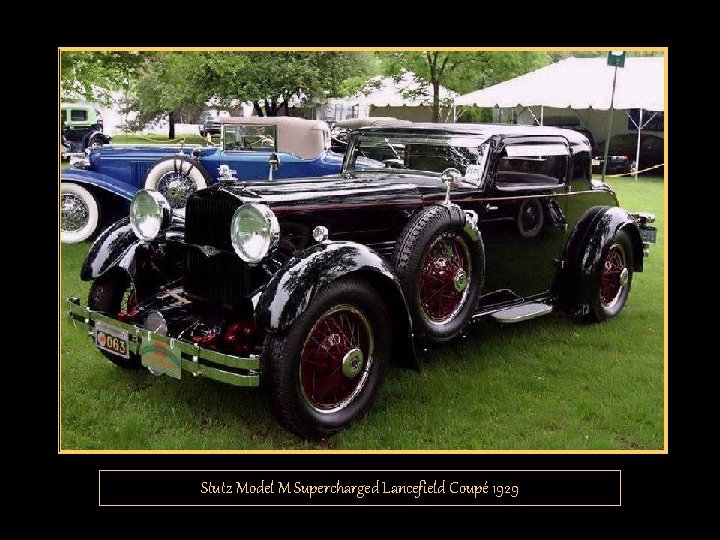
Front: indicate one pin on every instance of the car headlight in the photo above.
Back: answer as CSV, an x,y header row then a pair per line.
x,y
254,231
150,214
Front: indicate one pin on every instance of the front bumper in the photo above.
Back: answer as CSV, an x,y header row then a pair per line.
x,y
199,361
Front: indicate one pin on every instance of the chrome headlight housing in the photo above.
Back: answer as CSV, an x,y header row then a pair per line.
x,y
254,231
150,214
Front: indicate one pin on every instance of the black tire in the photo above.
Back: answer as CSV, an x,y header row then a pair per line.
x,y
419,235
97,140
604,304
284,364
108,293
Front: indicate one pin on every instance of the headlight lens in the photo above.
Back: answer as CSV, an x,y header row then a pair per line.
x,y
254,231
150,213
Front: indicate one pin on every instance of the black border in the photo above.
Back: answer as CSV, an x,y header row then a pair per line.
x,y
647,479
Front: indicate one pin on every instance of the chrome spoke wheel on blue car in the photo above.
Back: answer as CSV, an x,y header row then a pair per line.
x,y
74,213
79,213
176,187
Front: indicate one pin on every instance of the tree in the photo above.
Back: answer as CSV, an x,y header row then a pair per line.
x,y
461,71
94,76
270,80
168,84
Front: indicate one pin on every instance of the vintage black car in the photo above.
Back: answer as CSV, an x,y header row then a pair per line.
x,y
311,287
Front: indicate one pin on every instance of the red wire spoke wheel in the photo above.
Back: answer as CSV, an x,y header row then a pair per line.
x,y
613,276
336,358
440,263
444,278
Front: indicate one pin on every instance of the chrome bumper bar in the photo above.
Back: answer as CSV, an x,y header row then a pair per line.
x,y
195,359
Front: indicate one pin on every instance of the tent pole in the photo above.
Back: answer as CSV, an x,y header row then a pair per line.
x,y
607,139
454,113
637,151
542,114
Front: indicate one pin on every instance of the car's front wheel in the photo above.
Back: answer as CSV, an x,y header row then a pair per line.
x,y
325,372
79,213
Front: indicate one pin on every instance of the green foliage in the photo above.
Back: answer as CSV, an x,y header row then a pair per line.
x,y
94,75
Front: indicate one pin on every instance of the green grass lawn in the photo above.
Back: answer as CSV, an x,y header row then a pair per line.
x,y
137,138
549,383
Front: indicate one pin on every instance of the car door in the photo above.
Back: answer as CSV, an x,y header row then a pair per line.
x,y
523,218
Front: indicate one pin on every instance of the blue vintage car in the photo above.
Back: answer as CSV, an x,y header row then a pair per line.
x,y
99,187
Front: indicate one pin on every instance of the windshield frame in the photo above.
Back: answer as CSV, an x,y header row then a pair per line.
x,y
427,137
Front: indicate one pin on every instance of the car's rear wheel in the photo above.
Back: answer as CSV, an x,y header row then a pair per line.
x,y
177,178
79,213
613,278
114,295
324,373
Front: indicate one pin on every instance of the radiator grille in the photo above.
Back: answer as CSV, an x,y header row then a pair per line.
x,y
207,221
222,278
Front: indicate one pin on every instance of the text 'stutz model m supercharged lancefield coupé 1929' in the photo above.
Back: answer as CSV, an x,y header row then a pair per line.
x,y
99,187
311,287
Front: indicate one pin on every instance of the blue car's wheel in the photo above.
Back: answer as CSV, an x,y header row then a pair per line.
x,y
79,213
177,178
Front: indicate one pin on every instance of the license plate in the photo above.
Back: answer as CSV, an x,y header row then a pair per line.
x,y
595,162
159,358
649,234
111,339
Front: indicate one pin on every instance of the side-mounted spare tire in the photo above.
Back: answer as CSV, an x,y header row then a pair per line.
x,y
177,177
440,261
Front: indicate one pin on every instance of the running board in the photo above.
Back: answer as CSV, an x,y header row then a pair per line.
x,y
523,312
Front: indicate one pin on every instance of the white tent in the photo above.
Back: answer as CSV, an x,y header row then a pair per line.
x,y
580,83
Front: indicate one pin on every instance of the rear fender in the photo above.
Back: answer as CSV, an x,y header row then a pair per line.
x,y
587,245
100,181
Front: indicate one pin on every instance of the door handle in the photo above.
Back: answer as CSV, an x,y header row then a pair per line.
x,y
490,207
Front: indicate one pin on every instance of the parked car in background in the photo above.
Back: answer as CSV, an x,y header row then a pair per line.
x,y
81,126
99,188
623,150
340,129
210,123
311,287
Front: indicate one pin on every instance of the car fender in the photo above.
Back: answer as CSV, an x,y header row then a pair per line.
x,y
106,139
290,290
587,245
100,181
115,247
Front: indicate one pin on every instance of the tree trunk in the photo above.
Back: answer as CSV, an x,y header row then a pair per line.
x,y
171,125
436,101
258,109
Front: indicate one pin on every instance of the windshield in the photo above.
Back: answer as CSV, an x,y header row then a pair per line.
x,y
418,153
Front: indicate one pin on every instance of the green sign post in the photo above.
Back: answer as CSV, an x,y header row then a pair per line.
x,y
616,59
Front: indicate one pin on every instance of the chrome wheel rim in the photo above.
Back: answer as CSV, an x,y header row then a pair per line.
x,y
614,277
75,214
444,281
336,358
176,188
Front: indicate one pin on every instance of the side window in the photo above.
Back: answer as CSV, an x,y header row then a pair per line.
x,y
533,165
78,115
63,115
581,166
250,137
